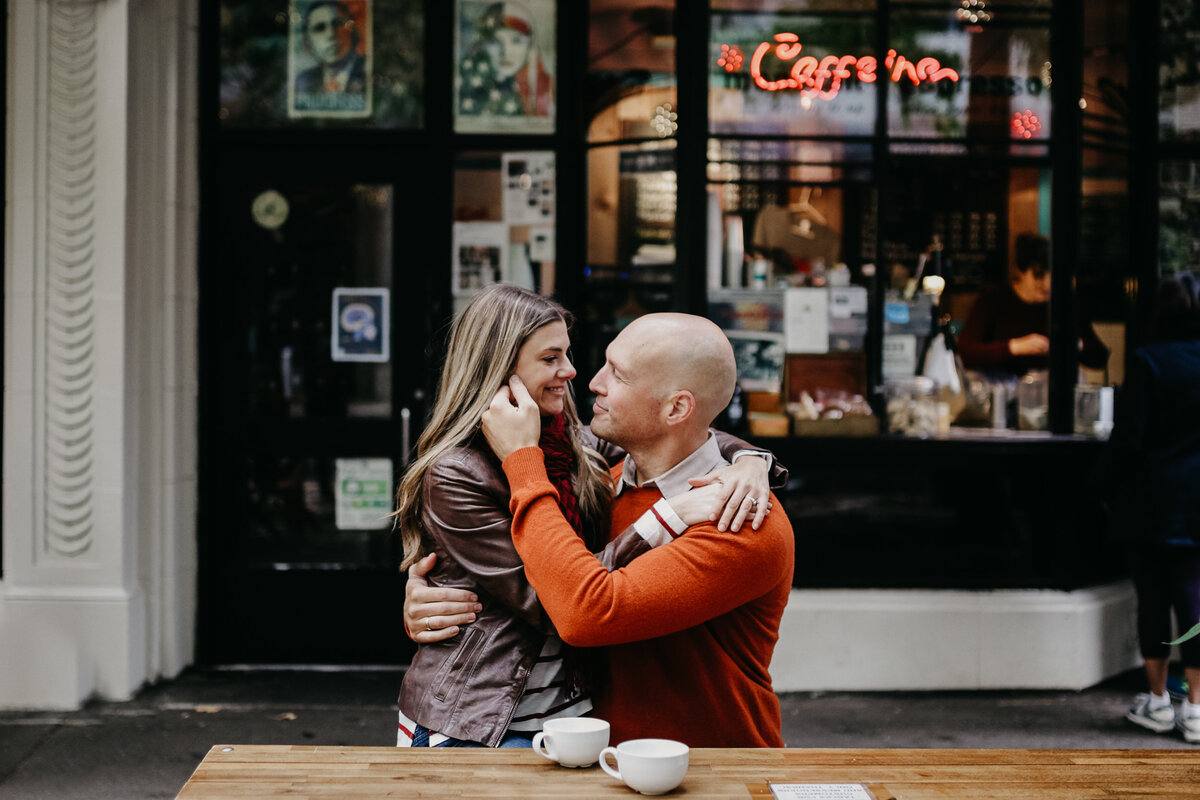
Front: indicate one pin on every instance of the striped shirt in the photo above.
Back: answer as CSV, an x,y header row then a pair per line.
x,y
545,697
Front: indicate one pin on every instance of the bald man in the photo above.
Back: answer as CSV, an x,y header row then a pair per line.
x,y
689,627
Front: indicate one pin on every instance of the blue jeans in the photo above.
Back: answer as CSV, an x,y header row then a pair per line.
x,y
421,739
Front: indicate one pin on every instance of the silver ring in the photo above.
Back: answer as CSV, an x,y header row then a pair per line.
x,y
428,625
753,502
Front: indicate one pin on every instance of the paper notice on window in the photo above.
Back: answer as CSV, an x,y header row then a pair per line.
x,y
846,301
806,320
899,355
363,493
820,791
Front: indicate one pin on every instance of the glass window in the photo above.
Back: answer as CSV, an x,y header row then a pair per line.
x,y
1178,215
1179,71
310,240
949,77
314,512
792,74
504,210
353,63
631,241
630,88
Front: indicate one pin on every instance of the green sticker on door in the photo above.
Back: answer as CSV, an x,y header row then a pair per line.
x,y
363,493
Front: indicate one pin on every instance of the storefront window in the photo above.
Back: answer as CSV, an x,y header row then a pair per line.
x,y
799,237
631,89
1179,71
355,63
987,80
792,74
504,210
1179,215
632,193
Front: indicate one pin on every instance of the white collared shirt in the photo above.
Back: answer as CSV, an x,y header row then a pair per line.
x,y
660,524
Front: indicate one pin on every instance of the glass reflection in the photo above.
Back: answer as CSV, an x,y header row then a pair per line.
x,y
328,237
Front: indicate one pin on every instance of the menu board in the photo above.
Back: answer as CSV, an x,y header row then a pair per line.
x,y
966,208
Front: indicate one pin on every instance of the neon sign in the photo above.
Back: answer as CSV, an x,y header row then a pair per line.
x,y
822,78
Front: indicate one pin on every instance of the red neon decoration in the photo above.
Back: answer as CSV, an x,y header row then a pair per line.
x,y
823,78
1025,124
731,58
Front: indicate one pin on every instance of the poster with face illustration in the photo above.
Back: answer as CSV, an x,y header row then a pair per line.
x,y
505,63
329,58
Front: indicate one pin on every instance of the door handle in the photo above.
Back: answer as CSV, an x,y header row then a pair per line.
x,y
405,435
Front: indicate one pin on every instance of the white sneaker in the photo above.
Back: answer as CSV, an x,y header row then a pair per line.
x,y
1189,722
1159,720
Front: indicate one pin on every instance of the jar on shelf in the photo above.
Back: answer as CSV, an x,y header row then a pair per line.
x,y
915,408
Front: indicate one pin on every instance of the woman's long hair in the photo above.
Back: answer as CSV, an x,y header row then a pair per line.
x,y
485,341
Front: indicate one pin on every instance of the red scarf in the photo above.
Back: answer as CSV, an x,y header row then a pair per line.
x,y
560,467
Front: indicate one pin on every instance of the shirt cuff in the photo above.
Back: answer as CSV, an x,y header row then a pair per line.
x,y
760,453
660,524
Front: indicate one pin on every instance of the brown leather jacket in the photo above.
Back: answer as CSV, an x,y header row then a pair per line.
x,y
468,687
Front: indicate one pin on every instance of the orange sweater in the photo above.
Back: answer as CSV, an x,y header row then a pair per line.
x,y
690,626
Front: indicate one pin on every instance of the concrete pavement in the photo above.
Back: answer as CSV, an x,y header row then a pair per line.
x,y
146,748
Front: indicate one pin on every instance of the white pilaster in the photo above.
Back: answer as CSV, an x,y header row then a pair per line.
x,y
97,593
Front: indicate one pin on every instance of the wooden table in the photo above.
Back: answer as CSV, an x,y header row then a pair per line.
x,y
266,771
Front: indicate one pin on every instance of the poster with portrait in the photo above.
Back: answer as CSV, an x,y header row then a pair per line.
x,y
361,329
760,357
505,58
480,256
329,58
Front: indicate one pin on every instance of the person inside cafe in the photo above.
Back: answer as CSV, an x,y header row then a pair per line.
x,y
688,628
509,672
1151,470
1007,332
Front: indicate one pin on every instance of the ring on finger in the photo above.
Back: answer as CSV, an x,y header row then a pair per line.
x,y
753,502
428,624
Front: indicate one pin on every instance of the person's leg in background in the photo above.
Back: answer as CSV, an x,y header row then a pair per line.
x,y
1152,582
1186,600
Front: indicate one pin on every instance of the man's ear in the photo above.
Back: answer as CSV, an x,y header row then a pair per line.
x,y
679,407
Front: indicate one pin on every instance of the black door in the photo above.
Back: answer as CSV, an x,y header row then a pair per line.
x,y
316,312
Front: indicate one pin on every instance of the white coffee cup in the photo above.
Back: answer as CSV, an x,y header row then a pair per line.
x,y
572,741
648,766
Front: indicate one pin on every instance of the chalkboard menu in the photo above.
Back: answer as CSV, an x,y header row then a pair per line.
x,y
965,206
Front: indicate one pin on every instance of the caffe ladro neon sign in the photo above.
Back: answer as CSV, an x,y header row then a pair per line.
x,y
822,78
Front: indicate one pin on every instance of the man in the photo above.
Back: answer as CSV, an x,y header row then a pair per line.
x,y
689,627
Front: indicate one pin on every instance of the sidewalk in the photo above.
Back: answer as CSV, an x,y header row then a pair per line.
x,y
146,748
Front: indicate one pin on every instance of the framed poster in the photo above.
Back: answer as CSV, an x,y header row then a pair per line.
x,y
760,359
360,325
329,59
505,55
480,256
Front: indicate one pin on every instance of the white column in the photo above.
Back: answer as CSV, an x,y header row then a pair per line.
x,y
99,469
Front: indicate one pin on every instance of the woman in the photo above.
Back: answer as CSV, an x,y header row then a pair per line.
x,y
1006,333
506,673
1154,472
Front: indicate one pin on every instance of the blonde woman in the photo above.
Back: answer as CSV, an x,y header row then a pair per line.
x,y
506,673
